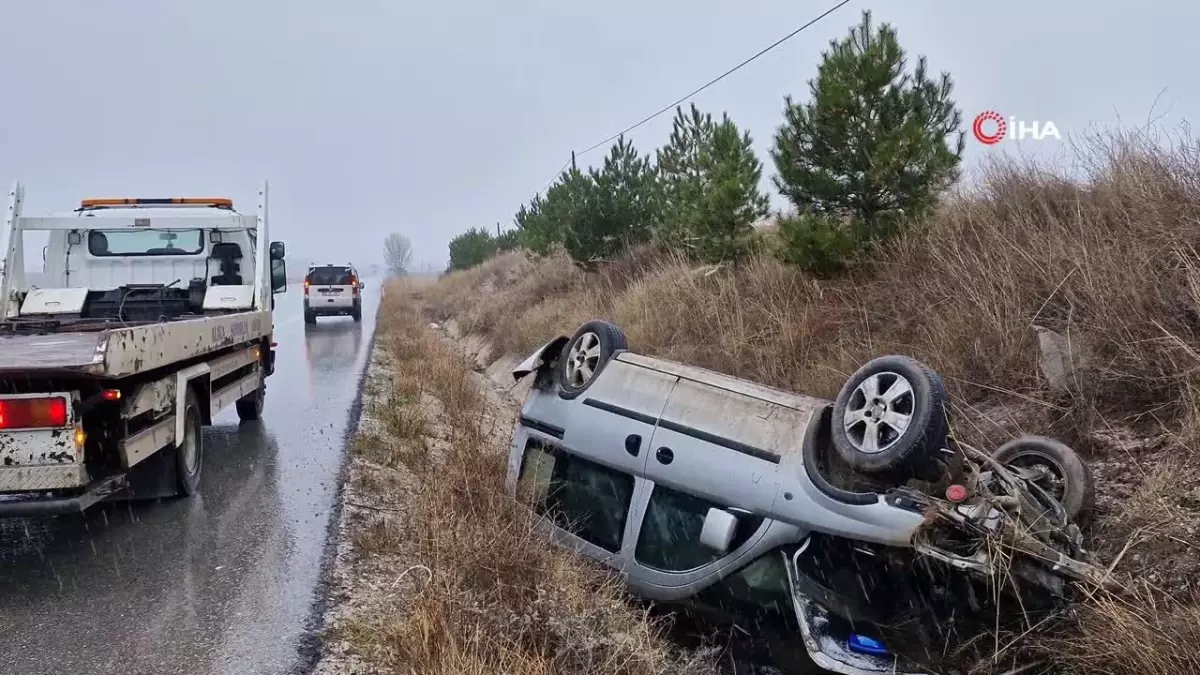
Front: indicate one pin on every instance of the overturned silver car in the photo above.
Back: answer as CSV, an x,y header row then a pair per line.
x,y
858,527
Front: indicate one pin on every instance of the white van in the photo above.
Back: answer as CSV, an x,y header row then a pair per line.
x,y
332,290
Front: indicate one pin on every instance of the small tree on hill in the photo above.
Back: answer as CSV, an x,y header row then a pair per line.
x,y
397,253
709,177
471,248
615,207
508,240
681,175
875,145
543,222
534,231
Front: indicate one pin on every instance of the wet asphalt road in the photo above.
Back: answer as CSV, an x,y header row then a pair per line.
x,y
219,584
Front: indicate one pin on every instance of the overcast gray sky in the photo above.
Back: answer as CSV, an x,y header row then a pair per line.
x,y
428,118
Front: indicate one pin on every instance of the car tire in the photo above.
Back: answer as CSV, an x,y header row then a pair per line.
x,y
586,353
357,314
1071,483
878,429
189,453
250,407
309,317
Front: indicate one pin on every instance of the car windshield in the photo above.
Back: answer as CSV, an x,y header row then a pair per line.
x,y
145,242
331,276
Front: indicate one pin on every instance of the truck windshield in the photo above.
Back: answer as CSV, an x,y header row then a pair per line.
x,y
145,242
331,276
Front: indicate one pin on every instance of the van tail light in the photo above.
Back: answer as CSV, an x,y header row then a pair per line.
x,y
306,284
354,285
33,413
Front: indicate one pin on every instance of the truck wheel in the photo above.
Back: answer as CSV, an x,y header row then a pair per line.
x,y
189,451
250,407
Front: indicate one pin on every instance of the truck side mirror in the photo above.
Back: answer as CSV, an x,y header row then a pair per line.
x,y
278,275
277,250
719,528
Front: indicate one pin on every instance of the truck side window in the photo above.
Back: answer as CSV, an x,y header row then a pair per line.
x,y
586,499
670,537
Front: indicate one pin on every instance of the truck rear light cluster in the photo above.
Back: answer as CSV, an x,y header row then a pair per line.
x,y
33,413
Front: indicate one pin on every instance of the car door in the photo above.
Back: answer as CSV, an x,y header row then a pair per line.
x,y
584,467
712,448
612,421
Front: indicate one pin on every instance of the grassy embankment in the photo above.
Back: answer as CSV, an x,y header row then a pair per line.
x,y
1110,262
451,578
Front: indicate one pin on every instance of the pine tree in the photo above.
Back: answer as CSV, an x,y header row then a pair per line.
x,y
471,248
681,176
618,206
875,145
508,240
709,177
543,222
732,201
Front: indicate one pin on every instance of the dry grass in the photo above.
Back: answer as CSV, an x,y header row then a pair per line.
x,y
1110,260
469,587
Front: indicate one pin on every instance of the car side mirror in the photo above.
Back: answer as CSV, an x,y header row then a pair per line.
x,y
719,530
278,275
361,285
277,250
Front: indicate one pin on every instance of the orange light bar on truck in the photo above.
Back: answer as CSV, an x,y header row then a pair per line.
x,y
219,202
33,413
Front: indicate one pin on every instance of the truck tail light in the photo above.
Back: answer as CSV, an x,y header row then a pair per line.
x,y
33,413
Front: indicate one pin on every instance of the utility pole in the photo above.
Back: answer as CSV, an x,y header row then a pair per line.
x,y
497,228
572,160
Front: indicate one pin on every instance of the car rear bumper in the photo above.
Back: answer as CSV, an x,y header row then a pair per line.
x,y
331,310
330,304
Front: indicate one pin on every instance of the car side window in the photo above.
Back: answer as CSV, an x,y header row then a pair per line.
x,y
760,588
587,499
670,537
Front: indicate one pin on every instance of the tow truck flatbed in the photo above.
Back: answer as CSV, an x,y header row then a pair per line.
x,y
120,351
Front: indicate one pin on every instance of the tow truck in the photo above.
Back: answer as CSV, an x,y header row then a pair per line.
x,y
156,314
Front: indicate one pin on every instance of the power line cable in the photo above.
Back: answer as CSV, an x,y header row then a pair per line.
x,y
717,79
708,84
555,176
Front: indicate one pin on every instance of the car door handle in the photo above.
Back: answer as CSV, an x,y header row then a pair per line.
x,y
664,455
633,444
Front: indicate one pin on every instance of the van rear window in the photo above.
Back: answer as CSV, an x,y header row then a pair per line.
x,y
145,242
331,276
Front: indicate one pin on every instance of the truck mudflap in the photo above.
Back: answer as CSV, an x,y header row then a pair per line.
x,y
25,506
